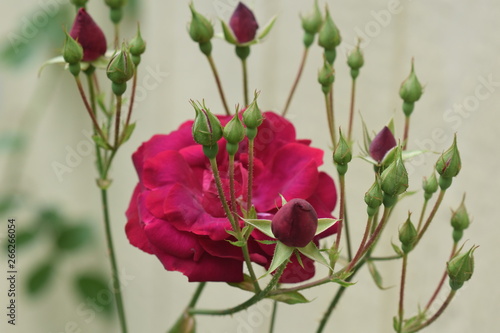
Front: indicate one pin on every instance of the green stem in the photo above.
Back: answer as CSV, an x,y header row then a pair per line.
x,y
406,132
250,173
332,113
344,216
422,213
273,317
197,294
117,35
231,217
441,282
402,293
114,268
257,297
296,82
388,258
130,107
361,245
329,119
94,111
431,216
117,119
351,111
245,81
219,85
437,314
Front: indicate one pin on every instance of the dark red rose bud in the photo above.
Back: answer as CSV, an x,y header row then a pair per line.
x,y
381,144
243,24
89,35
295,223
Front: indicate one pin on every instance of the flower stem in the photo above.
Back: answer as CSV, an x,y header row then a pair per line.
x,y
273,317
437,314
231,217
219,85
94,111
197,294
130,107
89,108
245,81
406,132
343,216
330,119
422,213
257,297
117,119
431,216
402,293
296,82
441,282
351,111
361,245
114,270
250,173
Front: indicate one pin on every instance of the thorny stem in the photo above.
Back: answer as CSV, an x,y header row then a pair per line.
x,y
402,293
296,82
441,282
406,132
351,111
130,107
329,119
117,119
431,216
422,213
343,215
94,111
362,244
250,173
273,317
233,221
219,85
245,81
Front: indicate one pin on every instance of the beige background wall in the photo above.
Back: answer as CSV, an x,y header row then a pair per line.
x,y
456,48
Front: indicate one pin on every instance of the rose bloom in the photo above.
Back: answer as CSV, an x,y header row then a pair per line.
x,y
175,212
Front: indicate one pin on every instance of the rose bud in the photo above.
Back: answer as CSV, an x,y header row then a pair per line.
x,y
355,61
295,223
243,24
234,133
329,38
207,129
430,186
374,197
86,32
381,144
460,221
120,69
410,91
311,24
342,155
407,235
394,179
326,76
201,31
449,165
252,117
460,268
137,45
72,51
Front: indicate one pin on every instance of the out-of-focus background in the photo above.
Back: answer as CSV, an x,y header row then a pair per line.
x,y
62,260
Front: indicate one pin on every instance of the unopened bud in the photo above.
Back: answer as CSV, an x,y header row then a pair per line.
x,y
137,44
460,221
430,186
207,129
234,133
329,35
355,61
120,69
410,91
252,117
374,197
460,268
295,223
326,76
382,143
408,235
311,24
342,155
243,24
72,51
395,177
200,29
448,165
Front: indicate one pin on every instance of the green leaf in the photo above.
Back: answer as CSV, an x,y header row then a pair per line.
x,y
343,283
246,284
312,252
324,224
236,243
73,237
40,277
228,34
267,28
128,132
292,297
267,242
93,288
377,278
396,249
262,225
281,254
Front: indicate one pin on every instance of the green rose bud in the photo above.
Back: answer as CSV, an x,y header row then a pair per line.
x,y
207,129
252,117
72,51
374,197
430,186
460,268
329,35
355,61
448,165
394,178
121,68
137,44
459,221
410,91
234,133
200,28
408,235
342,155
311,24
326,76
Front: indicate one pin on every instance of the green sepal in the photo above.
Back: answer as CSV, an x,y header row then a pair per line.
x,y
397,249
324,224
128,132
262,225
292,297
239,243
377,278
299,259
282,253
312,252
101,142
267,242
342,282
228,34
267,28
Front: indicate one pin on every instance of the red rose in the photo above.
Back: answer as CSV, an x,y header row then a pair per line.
x,y
175,212
86,32
243,24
